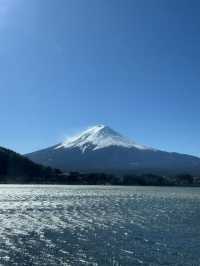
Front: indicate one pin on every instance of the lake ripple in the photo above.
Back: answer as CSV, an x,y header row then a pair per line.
x,y
97,225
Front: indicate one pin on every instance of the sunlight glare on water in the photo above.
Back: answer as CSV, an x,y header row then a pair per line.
x,y
97,225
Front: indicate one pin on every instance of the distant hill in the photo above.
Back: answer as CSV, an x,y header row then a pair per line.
x,y
101,149
15,168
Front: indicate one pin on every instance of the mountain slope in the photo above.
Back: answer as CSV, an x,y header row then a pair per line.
x,y
99,137
15,168
102,149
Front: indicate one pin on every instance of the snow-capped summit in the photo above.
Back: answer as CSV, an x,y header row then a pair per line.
x,y
100,148
99,137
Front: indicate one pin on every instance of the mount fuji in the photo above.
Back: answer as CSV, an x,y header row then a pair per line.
x,y
100,148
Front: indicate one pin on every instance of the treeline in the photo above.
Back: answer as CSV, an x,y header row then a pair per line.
x,y
156,180
76,178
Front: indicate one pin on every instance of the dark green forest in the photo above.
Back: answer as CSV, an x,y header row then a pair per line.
x,y
15,168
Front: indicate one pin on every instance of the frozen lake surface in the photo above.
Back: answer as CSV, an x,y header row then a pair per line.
x,y
93,225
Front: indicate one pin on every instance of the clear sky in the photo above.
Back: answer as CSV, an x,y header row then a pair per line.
x,y
69,64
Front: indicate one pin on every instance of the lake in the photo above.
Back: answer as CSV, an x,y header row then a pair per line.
x,y
99,225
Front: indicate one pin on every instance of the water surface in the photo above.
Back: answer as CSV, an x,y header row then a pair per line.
x,y
97,225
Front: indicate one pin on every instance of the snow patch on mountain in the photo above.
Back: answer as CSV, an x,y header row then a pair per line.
x,y
99,137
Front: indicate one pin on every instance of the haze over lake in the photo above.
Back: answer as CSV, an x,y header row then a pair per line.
x,y
93,225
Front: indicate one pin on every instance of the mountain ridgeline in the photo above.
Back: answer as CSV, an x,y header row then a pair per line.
x,y
101,149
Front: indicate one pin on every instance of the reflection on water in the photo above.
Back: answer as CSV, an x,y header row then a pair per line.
x,y
91,225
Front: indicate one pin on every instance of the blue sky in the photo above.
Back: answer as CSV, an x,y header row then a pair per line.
x,y
69,64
